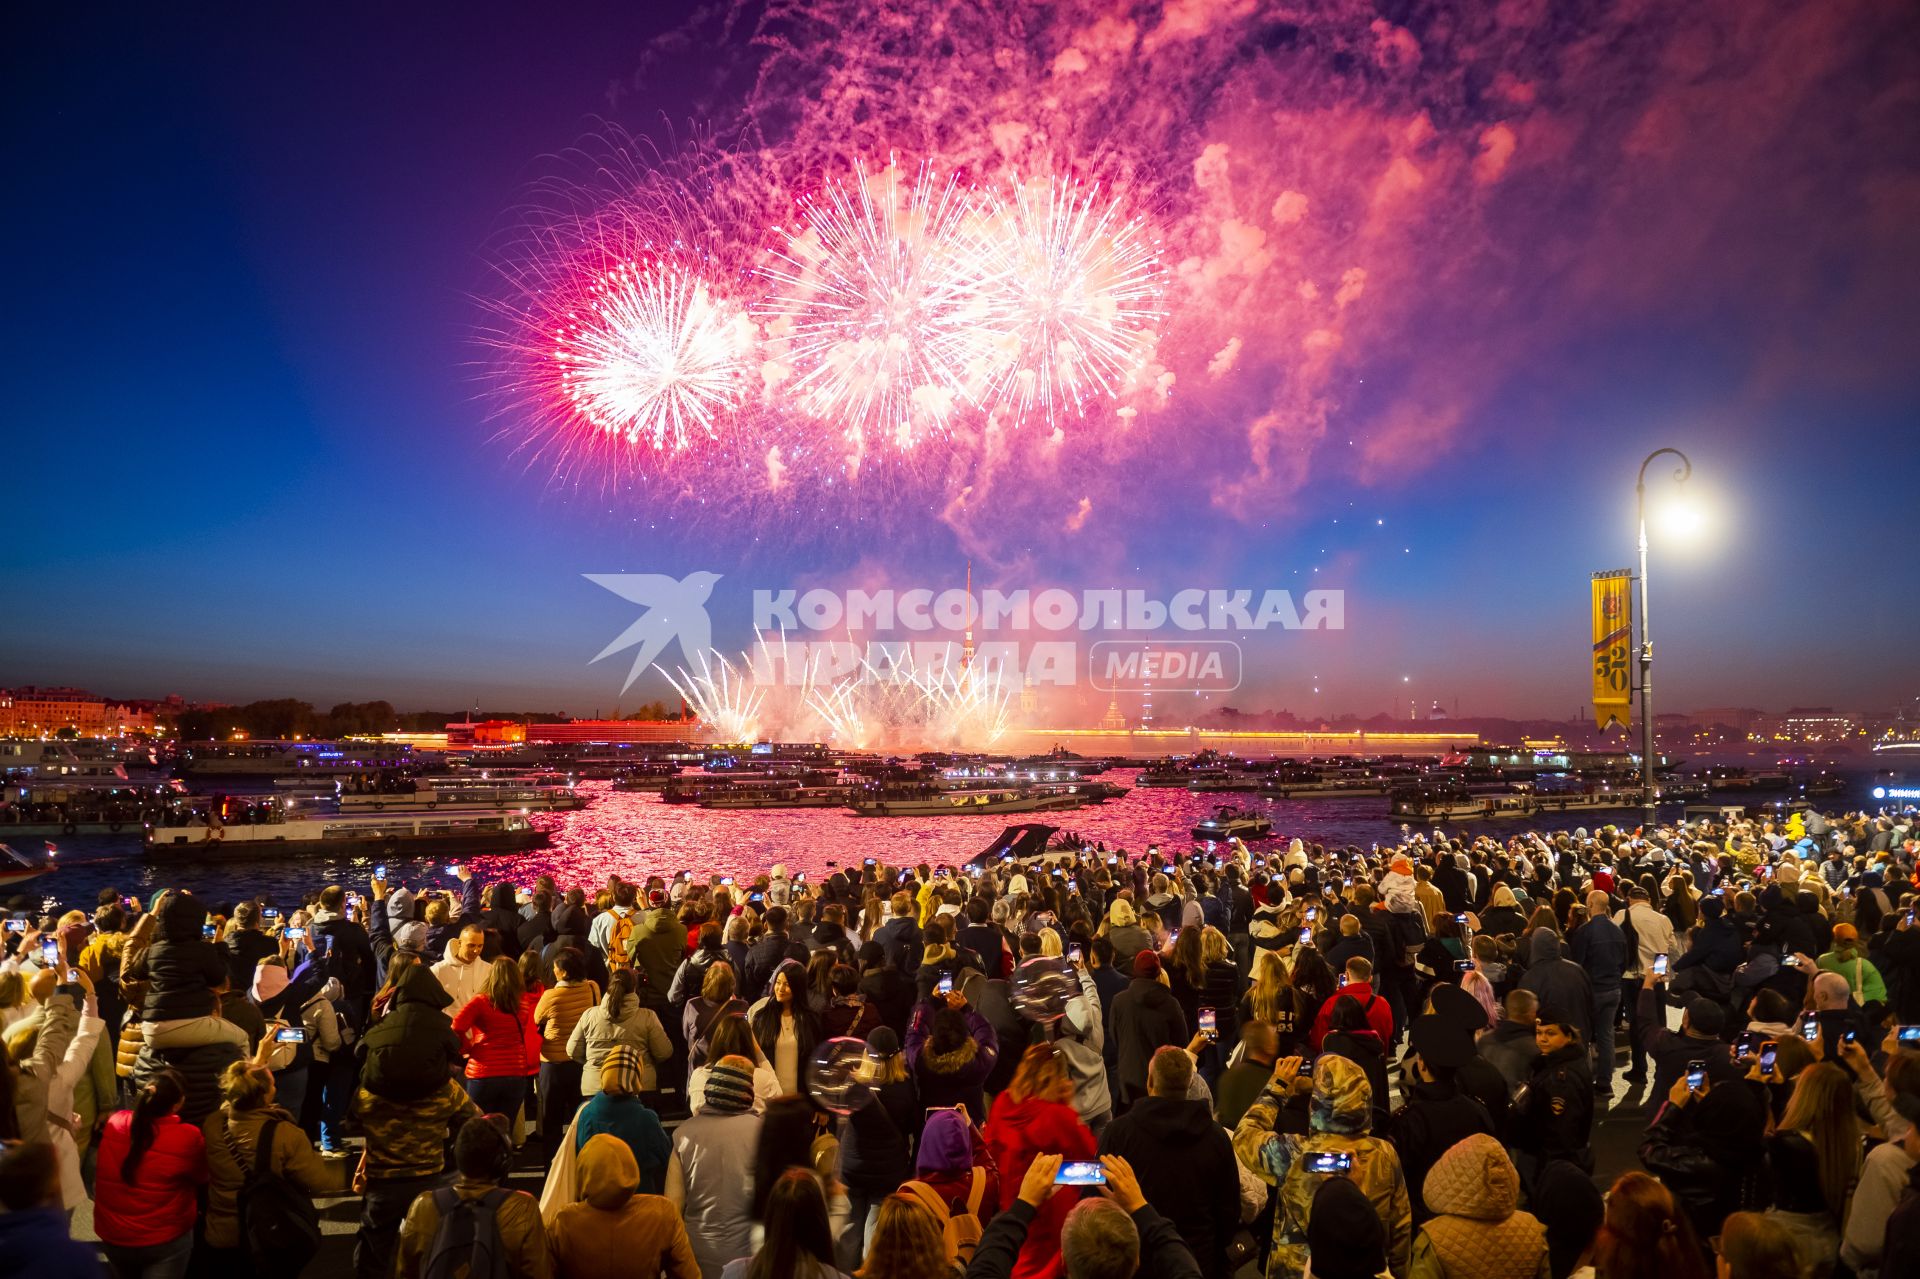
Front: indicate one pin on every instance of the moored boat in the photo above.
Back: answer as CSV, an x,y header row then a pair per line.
x,y
416,833
968,803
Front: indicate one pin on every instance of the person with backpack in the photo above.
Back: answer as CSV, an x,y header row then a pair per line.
x,y
908,1242
613,1231
262,1176
405,1157
146,1190
476,1228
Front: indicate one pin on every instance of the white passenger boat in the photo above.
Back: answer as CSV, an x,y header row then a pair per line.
x,y
969,803
398,833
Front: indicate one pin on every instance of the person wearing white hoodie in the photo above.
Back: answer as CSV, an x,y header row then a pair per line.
x,y
462,973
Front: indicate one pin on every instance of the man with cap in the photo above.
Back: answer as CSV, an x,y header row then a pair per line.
x,y
1698,1038
1436,1113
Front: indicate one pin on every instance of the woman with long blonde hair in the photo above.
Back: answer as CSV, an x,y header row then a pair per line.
x,y
909,1242
1273,998
1821,1110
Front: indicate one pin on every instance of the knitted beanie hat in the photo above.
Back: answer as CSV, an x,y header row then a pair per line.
x,y
730,1086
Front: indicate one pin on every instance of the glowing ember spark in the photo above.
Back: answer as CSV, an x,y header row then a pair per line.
x,y
966,705
1074,297
658,358
878,296
723,700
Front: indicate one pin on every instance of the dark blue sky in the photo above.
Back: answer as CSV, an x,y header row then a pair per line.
x,y
249,452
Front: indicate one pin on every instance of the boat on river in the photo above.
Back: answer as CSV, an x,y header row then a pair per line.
x,y
968,803
415,833
466,797
1233,823
17,868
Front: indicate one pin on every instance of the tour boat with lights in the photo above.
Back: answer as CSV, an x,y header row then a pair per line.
x,y
969,803
467,797
418,833
1233,823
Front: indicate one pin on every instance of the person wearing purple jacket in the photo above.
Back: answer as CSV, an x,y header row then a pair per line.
x,y
951,1049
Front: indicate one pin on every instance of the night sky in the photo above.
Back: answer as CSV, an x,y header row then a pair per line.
x,y
257,444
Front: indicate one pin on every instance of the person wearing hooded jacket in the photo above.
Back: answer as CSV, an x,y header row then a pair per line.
x,y
1561,984
185,973
1479,1231
1183,1158
1146,1017
613,1231
501,920
1340,1116
411,1052
1080,1038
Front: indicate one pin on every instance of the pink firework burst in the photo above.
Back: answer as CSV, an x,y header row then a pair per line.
x,y
655,356
874,304
1073,291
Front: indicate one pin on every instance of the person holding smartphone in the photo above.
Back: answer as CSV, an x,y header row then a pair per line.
x,y
1341,1119
1649,933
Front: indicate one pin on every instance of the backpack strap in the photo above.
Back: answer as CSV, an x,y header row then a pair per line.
x,y
263,1148
978,1191
929,1198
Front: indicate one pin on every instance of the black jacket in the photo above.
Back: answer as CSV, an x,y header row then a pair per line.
x,y
1553,1118
891,991
876,1149
411,1052
181,965
1186,1167
1011,1030
1671,1050
200,1066
245,948
901,938
352,956
1145,1017
763,957
1711,1153
1436,1116
502,921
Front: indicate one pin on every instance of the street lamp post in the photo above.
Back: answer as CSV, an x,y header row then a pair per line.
x,y
1648,791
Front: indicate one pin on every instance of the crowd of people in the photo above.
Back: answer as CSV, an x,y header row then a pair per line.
x,y
1305,1060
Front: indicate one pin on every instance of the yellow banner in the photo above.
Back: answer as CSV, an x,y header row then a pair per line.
x,y
1612,647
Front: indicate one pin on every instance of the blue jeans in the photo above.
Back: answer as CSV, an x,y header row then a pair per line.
x,y
336,1093
155,1261
290,1090
499,1096
1606,1015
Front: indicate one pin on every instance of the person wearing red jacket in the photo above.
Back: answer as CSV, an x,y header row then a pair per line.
x,y
1359,985
151,1167
1033,1117
501,1039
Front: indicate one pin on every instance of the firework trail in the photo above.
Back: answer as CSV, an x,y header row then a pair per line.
x,y
724,701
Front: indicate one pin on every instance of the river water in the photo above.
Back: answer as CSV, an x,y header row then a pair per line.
x,y
634,834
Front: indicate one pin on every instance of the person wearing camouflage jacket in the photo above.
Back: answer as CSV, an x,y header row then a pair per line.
x,y
1339,1116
